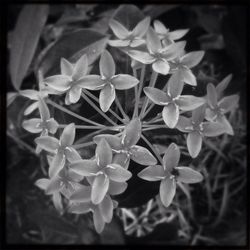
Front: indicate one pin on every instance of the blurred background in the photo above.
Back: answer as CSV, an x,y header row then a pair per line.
x,y
211,213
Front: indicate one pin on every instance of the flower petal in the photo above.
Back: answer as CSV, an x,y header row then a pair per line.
x,y
32,125
68,135
171,157
75,94
228,103
99,222
54,185
107,65
52,125
177,34
66,67
82,194
153,41
57,201
142,155
170,115
210,114
42,183
188,175
194,142
211,129
124,81
119,30
107,97
99,188
142,27
141,56
211,95
113,140
167,191
30,93
122,159
119,43
175,85
188,77
106,208
47,143
152,173
132,133
160,27
92,82
137,42
156,95
30,108
116,188
103,153
173,50
189,102
117,173
223,84
227,126
198,114
184,124
80,68
57,164
72,154
161,67
79,208
192,59
84,167
58,82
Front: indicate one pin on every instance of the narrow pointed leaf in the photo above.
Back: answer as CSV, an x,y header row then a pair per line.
x,y
142,156
167,191
152,173
124,81
170,115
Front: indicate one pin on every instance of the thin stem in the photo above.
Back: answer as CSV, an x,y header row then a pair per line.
x,y
97,109
72,113
154,127
151,84
149,108
152,148
121,109
143,70
83,145
97,100
116,128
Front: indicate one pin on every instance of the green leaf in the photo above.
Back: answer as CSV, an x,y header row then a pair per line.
x,y
24,40
71,47
129,15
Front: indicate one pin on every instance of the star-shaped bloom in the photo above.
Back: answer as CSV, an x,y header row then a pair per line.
x,y
69,80
125,147
65,183
108,82
44,125
169,174
217,109
197,129
182,65
157,54
172,101
133,38
168,37
61,148
104,170
33,95
102,212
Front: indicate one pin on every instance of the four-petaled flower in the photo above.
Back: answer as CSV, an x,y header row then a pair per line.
x,y
217,109
157,55
197,129
69,80
104,170
61,148
173,101
169,173
132,38
102,212
168,37
108,82
181,65
125,147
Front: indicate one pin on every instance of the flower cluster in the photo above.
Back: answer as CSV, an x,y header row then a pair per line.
x,y
80,185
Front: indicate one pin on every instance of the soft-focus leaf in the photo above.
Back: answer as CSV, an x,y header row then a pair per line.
x,y
25,37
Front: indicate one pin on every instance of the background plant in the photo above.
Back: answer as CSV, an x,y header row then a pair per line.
x,y
130,113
